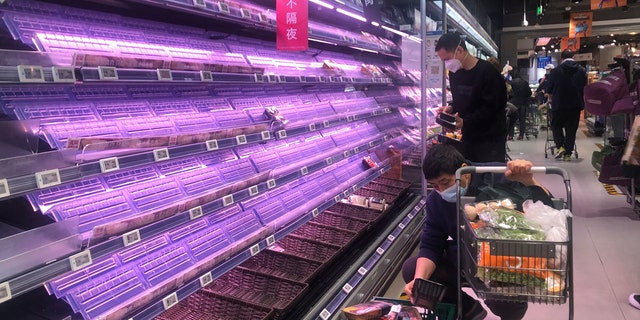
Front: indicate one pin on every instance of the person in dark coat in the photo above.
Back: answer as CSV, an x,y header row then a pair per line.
x,y
565,85
521,98
479,98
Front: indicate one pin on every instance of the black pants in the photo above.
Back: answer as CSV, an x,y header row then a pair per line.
x,y
445,274
521,117
564,125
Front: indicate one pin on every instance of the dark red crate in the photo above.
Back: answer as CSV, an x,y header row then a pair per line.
x,y
355,211
283,265
257,288
307,248
393,182
327,234
384,188
209,306
341,221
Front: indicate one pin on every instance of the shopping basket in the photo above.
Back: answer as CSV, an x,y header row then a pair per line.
x,y
516,270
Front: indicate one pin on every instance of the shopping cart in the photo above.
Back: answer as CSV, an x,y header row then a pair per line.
x,y
534,259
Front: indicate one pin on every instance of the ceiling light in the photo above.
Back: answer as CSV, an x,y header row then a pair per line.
x,y
601,46
524,14
352,15
322,3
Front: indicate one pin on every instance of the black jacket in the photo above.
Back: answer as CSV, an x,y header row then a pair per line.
x,y
566,85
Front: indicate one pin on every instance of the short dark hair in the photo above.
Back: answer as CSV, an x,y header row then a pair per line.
x,y
566,53
450,41
441,159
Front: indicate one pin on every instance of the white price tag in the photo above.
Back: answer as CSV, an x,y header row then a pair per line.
x,y
63,74
325,314
195,213
245,13
386,138
165,75
48,178
161,154
255,249
282,78
253,190
380,251
271,183
212,145
107,73
262,17
5,292
80,260
131,237
356,150
170,301
329,161
259,77
303,79
354,188
346,154
347,288
206,76
282,134
4,188
266,135
345,193
199,3
223,7
304,171
241,139
410,215
315,212
326,123
362,271
371,144
30,73
312,127
271,240
401,226
349,118
337,198
109,164
227,200
391,237
387,110
206,279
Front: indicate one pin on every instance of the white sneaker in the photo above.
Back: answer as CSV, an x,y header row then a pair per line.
x,y
634,300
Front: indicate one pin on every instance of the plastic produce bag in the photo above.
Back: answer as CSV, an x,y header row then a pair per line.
x,y
552,221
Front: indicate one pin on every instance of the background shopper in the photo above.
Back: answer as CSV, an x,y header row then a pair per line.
x,y
521,98
565,84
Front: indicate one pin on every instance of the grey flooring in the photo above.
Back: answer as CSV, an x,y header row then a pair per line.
x,y
606,234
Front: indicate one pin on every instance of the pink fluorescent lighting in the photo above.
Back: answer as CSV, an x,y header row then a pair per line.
x,y
400,33
322,3
375,24
352,15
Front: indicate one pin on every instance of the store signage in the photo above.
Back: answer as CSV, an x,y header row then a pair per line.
x,y
292,24
583,57
580,24
604,4
570,43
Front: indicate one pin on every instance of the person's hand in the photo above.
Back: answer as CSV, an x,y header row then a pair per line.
x,y
408,288
458,121
520,170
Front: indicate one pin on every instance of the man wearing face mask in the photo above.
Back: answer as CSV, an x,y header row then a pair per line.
x,y
436,258
479,96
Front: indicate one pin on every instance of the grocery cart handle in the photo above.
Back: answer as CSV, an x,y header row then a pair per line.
x,y
546,170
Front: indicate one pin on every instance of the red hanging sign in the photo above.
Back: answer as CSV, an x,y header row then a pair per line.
x,y
292,24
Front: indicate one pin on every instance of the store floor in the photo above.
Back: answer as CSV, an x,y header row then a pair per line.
x,y
606,238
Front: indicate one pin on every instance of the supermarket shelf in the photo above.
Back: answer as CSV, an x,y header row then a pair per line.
x,y
362,280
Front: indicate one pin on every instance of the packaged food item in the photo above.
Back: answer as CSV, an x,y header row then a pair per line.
x,y
368,310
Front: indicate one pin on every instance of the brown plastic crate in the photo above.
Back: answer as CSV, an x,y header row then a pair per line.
x,y
384,188
209,306
257,288
388,197
341,221
283,265
327,234
393,182
355,211
307,248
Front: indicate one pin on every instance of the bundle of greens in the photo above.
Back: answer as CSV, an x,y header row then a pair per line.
x,y
510,224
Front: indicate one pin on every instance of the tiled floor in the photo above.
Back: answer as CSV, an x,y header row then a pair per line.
x,y
606,238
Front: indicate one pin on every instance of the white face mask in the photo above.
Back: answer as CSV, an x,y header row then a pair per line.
x,y
454,64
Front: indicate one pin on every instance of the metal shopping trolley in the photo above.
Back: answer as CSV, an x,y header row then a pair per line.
x,y
531,271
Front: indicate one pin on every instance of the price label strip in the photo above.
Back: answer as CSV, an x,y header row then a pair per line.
x,y
80,260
